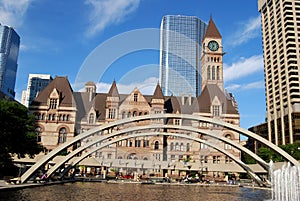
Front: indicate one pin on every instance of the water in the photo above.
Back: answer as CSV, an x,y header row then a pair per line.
x,y
285,183
85,191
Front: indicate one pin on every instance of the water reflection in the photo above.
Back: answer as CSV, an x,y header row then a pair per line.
x,y
85,191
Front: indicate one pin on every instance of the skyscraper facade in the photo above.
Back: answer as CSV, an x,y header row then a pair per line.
x,y
36,83
281,46
9,51
180,53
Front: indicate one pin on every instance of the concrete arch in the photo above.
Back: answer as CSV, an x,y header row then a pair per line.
x,y
185,128
238,161
155,126
90,132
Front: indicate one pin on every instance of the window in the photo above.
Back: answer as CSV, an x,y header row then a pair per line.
x,y
38,132
181,147
171,146
156,145
146,143
208,73
188,147
177,122
227,146
53,103
92,118
176,146
137,143
123,115
135,97
112,113
216,110
62,136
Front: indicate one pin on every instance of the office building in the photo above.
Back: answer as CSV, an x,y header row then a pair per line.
x,y
36,83
9,51
180,52
281,47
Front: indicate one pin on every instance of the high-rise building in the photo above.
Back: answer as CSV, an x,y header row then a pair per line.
x,y
9,51
36,83
281,46
180,53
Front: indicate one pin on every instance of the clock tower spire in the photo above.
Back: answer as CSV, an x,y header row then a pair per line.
x,y
212,57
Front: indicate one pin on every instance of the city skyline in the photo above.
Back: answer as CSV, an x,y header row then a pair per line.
x,y
57,43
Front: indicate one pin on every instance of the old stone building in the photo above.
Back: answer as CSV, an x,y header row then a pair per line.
x,y
62,114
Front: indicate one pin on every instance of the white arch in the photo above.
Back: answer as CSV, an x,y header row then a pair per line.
x,y
92,131
237,160
155,126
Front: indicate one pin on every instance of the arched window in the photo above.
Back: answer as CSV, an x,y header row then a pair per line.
x,y
128,114
91,118
181,147
213,73
227,146
156,145
134,114
176,146
62,135
123,115
188,147
218,72
171,146
38,132
208,73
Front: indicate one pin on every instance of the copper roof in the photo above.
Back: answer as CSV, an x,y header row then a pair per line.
x,y
212,30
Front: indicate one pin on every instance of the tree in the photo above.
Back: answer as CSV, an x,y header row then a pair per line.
x,y
17,135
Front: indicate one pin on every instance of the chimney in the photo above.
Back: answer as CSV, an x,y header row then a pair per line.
x,y
182,99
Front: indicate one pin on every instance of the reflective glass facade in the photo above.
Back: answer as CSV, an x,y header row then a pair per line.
x,y
180,53
9,51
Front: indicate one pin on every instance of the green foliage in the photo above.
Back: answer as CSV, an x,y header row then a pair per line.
x,y
247,159
17,134
267,154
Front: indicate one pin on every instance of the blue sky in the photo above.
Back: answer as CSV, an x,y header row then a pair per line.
x,y
93,39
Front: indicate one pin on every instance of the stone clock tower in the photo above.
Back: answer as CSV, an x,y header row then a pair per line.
x,y
212,57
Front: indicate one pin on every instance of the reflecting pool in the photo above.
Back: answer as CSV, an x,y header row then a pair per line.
x,y
85,191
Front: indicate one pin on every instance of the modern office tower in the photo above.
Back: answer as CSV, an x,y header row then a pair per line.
x,y
180,53
281,45
36,83
9,51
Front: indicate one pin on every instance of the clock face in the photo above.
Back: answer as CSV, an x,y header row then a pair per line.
x,y
213,45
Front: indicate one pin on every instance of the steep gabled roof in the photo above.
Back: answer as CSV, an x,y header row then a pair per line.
x,y
113,91
212,30
208,94
62,85
158,94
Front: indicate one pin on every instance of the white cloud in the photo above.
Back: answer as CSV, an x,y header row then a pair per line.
x,y
12,11
244,67
249,30
146,87
248,86
108,12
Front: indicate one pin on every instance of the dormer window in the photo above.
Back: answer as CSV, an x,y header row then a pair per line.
x,y
135,97
53,99
53,103
91,118
216,110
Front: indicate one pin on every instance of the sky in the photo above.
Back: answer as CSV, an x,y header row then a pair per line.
x,y
107,40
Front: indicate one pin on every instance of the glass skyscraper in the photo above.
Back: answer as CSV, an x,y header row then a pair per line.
x,y
36,83
180,53
9,51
